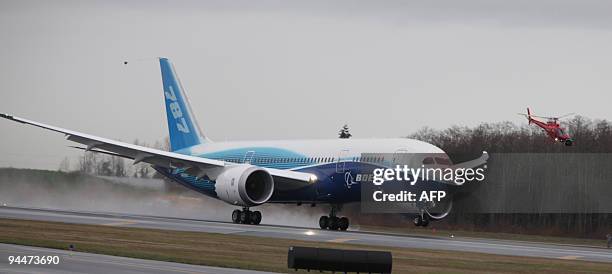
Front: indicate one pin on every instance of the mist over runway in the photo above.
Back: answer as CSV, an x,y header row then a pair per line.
x,y
500,247
73,191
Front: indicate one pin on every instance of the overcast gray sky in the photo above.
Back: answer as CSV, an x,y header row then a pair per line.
x,y
288,69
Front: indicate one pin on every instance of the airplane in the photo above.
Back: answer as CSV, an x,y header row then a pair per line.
x,y
552,127
246,174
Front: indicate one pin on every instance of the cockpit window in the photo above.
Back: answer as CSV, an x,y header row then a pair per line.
x,y
428,161
560,132
443,161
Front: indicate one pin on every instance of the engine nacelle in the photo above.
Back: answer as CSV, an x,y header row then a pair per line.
x,y
244,185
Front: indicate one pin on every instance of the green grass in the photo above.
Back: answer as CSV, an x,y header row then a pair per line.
x,y
260,253
411,230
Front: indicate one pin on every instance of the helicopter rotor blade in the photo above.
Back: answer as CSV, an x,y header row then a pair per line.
x,y
563,116
543,117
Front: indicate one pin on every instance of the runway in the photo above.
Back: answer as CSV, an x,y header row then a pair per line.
x,y
78,262
501,247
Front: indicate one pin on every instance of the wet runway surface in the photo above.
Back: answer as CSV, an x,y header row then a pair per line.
x,y
501,247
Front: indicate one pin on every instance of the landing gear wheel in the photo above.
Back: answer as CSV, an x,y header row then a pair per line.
x,y
245,217
236,216
324,222
343,223
256,217
425,221
421,220
334,223
418,221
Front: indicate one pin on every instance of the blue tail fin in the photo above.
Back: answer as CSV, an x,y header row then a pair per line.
x,y
183,128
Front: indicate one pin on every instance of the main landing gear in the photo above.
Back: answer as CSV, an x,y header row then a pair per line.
x,y
245,216
332,222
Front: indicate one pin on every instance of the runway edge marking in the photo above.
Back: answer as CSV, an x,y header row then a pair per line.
x,y
340,240
124,223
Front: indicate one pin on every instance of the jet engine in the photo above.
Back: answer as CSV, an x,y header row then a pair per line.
x,y
244,185
440,212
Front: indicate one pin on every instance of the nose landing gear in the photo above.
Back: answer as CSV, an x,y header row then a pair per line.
x,y
246,216
332,222
421,220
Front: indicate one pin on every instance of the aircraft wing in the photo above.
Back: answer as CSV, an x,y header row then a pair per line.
x,y
195,166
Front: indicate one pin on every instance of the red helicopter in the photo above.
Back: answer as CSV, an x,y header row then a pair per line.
x,y
552,127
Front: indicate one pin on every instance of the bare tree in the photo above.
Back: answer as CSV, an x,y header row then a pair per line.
x,y
64,165
118,166
344,132
87,163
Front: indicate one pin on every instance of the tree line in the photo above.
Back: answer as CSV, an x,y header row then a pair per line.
x,y
592,136
100,164
465,143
